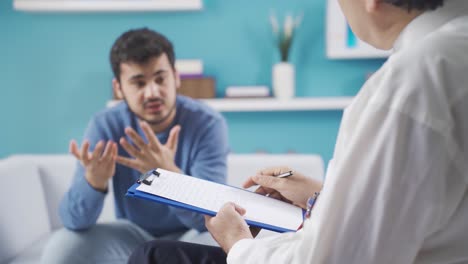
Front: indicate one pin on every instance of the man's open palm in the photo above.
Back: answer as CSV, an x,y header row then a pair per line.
x,y
99,165
151,155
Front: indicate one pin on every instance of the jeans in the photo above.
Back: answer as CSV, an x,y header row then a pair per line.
x,y
106,243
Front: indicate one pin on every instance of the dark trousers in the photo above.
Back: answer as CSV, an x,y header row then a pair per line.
x,y
175,252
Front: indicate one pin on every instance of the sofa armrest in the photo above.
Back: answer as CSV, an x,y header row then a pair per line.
x,y
56,173
24,217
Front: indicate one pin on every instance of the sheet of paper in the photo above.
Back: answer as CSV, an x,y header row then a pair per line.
x,y
212,196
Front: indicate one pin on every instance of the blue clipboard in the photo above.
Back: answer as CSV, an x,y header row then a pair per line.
x,y
133,192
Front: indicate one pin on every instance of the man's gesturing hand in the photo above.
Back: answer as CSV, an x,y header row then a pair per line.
x,y
147,156
99,165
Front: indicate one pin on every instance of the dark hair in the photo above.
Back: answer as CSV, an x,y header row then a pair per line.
x,y
139,46
417,4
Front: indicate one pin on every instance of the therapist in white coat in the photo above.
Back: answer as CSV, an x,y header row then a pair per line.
x,y
396,189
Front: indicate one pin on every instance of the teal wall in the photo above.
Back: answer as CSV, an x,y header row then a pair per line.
x,y
54,71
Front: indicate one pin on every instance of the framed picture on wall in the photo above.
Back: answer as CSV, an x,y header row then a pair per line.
x,y
341,41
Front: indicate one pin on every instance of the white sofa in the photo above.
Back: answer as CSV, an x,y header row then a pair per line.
x,y
32,186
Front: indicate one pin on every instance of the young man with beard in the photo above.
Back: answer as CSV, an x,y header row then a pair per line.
x,y
153,128
396,190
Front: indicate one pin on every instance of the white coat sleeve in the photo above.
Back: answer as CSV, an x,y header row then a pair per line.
x,y
381,198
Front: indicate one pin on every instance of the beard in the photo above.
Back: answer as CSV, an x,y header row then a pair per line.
x,y
153,122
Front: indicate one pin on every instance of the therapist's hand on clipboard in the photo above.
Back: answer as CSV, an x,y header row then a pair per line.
x,y
294,189
228,226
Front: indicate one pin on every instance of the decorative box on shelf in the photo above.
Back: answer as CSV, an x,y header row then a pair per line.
x,y
200,87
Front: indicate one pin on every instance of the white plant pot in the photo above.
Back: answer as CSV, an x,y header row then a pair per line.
x,y
283,80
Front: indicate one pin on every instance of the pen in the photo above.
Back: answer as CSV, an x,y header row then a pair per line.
x,y
284,175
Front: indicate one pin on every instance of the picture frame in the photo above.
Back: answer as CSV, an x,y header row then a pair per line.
x,y
341,42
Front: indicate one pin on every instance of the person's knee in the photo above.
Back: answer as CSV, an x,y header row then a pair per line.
x,y
111,242
63,245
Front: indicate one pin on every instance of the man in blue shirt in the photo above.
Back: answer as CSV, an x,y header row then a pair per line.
x,y
154,127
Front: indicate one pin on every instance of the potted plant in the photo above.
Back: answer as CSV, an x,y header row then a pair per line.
x,y
283,75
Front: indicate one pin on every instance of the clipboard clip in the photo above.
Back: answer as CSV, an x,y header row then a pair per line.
x,y
144,177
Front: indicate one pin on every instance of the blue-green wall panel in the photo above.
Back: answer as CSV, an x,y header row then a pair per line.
x,y
282,132
54,71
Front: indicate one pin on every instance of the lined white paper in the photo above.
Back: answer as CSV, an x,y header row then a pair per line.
x,y
212,196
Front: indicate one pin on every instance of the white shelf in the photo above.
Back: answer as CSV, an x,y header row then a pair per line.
x,y
272,104
106,5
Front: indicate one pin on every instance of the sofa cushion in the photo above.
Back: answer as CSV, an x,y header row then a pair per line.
x,y
32,254
24,217
56,172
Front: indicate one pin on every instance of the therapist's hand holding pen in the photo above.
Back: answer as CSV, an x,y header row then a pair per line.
x,y
285,184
